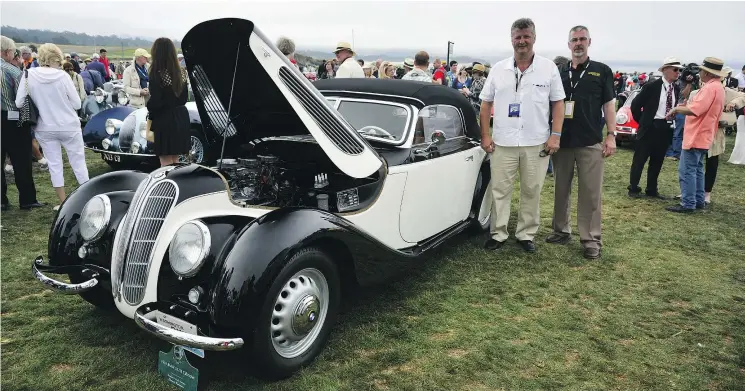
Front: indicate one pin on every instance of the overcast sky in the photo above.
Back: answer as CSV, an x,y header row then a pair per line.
x,y
621,31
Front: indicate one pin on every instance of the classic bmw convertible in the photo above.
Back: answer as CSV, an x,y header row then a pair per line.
x,y
259,252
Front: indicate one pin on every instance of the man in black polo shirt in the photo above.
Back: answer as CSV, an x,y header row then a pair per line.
x,y
589,94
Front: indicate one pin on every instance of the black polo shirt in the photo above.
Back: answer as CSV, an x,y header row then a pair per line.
x,y
595,88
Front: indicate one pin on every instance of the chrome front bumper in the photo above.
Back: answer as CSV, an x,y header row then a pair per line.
x,y
66,288
144,318
99,150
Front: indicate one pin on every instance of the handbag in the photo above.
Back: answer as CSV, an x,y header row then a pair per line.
x,y
149,135
29,113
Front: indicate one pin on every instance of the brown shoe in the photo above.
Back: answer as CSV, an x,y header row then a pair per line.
x,y
592,253
558,238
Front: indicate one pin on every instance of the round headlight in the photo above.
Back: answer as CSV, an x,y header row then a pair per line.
x,y
135,148
122,97
112,125
95,217
189,247
105,143
622,119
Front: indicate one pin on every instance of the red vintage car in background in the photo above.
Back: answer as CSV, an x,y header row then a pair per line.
x,y
626,127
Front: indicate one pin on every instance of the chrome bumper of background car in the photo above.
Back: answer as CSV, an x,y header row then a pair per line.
x,y
119,153
143,319
69,289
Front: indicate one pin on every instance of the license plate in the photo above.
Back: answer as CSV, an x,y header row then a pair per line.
x,y
111,157
175,323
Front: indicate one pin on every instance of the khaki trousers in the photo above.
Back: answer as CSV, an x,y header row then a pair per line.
x,y
589,162
506,163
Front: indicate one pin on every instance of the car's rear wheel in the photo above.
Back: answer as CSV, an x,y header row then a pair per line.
x,y
297,316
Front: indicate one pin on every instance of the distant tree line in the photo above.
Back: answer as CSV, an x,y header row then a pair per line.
x,y
70,38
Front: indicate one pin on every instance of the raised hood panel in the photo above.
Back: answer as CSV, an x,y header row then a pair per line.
x,y
270,97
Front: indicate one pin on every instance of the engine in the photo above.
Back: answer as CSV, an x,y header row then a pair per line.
x,y
268,181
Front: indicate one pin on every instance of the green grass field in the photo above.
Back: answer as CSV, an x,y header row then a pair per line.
x,y
664,309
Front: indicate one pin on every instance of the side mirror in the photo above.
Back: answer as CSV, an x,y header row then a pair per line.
x,y
438,137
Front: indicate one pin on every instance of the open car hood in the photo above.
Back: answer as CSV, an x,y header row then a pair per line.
x,y
244,87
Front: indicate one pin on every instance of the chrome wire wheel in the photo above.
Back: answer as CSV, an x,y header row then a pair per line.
x,y
299,312
196,152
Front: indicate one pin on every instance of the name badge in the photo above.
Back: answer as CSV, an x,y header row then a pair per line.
x,y
514,110
14,115
569,109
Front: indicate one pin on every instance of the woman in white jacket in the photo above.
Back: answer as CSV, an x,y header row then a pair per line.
x,y
56,99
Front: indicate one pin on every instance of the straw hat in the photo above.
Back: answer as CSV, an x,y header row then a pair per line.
x,y
670,62
714,66
343,45
409,63
479,68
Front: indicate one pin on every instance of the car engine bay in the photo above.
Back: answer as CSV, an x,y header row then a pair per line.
x,y
266,180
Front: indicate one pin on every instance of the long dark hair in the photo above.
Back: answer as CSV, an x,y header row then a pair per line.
x,y
165,65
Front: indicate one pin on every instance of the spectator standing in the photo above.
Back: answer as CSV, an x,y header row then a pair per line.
x,y
650,109
16,141
136,78
29,61
477,85
438,75
419,72
166,106
58,126
77,80
522,90
104,59
98,66
590,93
741,79
461,81
702,120
348,66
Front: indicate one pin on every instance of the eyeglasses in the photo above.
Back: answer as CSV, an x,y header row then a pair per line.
x,y
575,40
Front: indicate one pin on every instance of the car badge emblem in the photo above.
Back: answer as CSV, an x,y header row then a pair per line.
x,y
266,53
159,174
312,317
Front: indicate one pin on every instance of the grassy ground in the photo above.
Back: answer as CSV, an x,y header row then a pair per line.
x,y
663,310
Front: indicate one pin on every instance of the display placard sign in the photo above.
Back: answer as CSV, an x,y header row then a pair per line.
x,y
175,367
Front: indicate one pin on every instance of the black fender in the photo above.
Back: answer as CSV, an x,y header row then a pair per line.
x,y
95,129
64,235
242,280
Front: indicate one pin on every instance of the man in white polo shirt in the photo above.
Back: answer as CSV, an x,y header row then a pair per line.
x,y
348,66
522,89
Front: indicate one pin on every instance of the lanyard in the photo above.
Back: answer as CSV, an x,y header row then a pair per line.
x,y
575,84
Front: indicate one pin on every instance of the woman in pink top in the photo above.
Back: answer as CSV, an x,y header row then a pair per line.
x,y
702,120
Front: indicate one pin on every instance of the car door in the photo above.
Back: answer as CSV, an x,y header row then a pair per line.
x,y
440,182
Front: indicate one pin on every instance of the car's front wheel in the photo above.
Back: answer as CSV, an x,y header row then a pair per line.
x,y
297,315
198,150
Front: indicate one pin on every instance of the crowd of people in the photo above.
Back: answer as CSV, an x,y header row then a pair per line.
x,y
548,116
43,90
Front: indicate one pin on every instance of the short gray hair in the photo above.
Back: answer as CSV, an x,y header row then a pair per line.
x,y
6,43
579,28
286,45
25,49
523,23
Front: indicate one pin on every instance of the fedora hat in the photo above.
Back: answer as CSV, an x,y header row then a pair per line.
x,y
714,66
670,62
409,63
343,45
479,68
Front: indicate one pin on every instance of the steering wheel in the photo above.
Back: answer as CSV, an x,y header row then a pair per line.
x,y
375,131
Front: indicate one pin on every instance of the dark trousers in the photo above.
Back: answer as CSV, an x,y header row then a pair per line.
x,y
652,146
712,165
16,143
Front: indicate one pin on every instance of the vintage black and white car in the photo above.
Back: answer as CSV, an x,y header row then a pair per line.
x,y
258,252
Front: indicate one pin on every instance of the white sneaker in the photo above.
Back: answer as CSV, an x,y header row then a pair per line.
x,y
43,162
8,169
56,208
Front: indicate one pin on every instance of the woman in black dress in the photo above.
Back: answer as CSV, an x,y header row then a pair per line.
x,y
166,107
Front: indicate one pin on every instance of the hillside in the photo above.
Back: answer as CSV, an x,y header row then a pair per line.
x,y
79,39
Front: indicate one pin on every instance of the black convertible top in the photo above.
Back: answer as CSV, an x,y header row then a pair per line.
x,y
425,93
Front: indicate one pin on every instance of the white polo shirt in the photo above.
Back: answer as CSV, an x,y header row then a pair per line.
x,y
350,68
539,85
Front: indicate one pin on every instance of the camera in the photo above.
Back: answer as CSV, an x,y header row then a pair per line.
x,y
689,74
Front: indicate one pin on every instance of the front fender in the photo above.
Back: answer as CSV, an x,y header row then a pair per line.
x,y
242,280
95,129
64,236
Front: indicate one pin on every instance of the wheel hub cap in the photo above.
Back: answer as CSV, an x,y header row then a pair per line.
x,y
305,316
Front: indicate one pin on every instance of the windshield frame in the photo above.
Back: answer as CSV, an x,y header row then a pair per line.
x,y
409,117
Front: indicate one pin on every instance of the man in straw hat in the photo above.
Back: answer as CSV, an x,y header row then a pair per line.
x,y
650,109
702,120
348,66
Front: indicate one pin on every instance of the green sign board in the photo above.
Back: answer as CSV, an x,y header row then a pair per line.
x,y
175,367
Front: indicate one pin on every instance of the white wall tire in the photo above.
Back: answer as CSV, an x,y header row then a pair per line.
x,y
298,314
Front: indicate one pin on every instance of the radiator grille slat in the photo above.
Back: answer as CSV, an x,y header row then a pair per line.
x,y
149,210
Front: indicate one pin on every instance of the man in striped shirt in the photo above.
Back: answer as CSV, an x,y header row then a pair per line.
x,y
16,141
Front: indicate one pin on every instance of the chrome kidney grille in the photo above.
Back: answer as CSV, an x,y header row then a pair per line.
x,y
149,208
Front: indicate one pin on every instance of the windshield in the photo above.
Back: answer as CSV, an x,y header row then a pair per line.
x,y
380,120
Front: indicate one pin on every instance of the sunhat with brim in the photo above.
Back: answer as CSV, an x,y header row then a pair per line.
x,y
141,53
479,68
727,70
409,63
670,62
342,45
714,66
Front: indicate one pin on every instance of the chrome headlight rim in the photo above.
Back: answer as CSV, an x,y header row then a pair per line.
x,y
112,126
621,119
202,257
106,217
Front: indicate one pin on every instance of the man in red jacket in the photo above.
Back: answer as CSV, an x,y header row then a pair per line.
x,y
105,61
